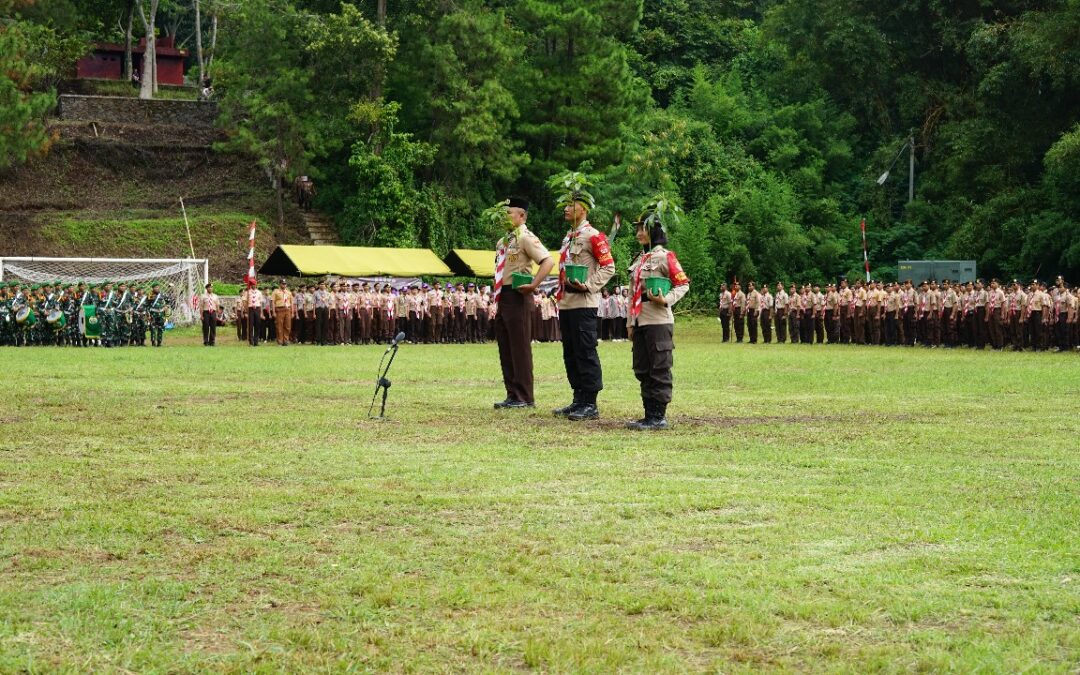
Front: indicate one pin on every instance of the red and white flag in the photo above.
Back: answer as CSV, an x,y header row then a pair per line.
x,y
249,278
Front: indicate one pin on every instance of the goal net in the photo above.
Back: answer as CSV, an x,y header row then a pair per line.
x,y
181,278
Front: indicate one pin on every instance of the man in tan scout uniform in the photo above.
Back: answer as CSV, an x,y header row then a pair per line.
x,y
753,308
767,303
724,313
517,251
281,300
780,304
583,245
738,311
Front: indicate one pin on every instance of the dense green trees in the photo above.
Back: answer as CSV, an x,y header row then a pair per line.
x,y
769,121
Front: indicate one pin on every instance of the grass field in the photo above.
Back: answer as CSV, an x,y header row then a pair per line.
x,y
814,508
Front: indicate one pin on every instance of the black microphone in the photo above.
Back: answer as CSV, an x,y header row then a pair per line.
x,y
397,338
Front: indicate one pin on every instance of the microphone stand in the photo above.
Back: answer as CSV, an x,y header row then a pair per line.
x,y
383,383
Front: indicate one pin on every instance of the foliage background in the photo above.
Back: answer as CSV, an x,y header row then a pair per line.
x,y
769,119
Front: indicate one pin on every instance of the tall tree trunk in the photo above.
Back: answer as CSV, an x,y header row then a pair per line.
x,y
148,80
129,66
213,42
152,47
380,13
198,44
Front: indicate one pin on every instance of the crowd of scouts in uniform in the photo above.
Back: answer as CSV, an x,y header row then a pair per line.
x,y
950,314
343,312
53,314
373,313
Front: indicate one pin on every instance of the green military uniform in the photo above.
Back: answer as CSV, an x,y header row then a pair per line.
x,y
159,302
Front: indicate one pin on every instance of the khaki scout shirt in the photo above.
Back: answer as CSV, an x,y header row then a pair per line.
x,y
739,301
282,299
781,300
523,248
753,301
586,243
658,262
209,302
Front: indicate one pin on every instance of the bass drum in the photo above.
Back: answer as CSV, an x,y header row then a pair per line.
x,y
25,317
56,319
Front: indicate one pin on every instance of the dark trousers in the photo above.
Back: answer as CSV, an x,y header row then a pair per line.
x,y
416,327
322,325
793,316
981,335
254,326
766,326
513,332
781,326
806,327
830,332
209,328
582,363
739,323
819,327
1035,322
725,324
653,358
890,328
752,324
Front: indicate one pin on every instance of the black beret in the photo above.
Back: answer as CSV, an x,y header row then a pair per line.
x,y
518,203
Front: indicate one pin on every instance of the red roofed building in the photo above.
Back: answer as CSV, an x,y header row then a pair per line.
x,y
106,62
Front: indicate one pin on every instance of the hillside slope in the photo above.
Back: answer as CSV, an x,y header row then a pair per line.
x,y
113,190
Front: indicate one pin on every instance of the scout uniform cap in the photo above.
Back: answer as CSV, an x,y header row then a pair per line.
x,y
518,203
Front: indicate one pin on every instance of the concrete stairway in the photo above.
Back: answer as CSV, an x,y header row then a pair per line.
x,y
320,229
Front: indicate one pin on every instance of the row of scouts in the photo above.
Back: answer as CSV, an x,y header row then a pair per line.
x,y
950,314
340,313
83,315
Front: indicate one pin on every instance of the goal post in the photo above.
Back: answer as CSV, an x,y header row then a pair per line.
x,y
186,276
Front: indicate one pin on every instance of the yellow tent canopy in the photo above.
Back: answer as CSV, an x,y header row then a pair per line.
x,y
470,262
353,261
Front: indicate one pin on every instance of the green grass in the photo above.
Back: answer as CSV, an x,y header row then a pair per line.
x,y
222,237
814,508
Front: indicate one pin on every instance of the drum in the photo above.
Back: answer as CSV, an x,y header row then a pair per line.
x,y
25,317
56,319
91,323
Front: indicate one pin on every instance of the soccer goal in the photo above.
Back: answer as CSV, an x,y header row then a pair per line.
x,y
181,278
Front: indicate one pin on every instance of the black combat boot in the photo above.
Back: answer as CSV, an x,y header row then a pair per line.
x,y
567,409
586,409
647,404
657,420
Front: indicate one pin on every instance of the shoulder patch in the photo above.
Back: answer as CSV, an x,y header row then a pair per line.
x,y
601,250
675,271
